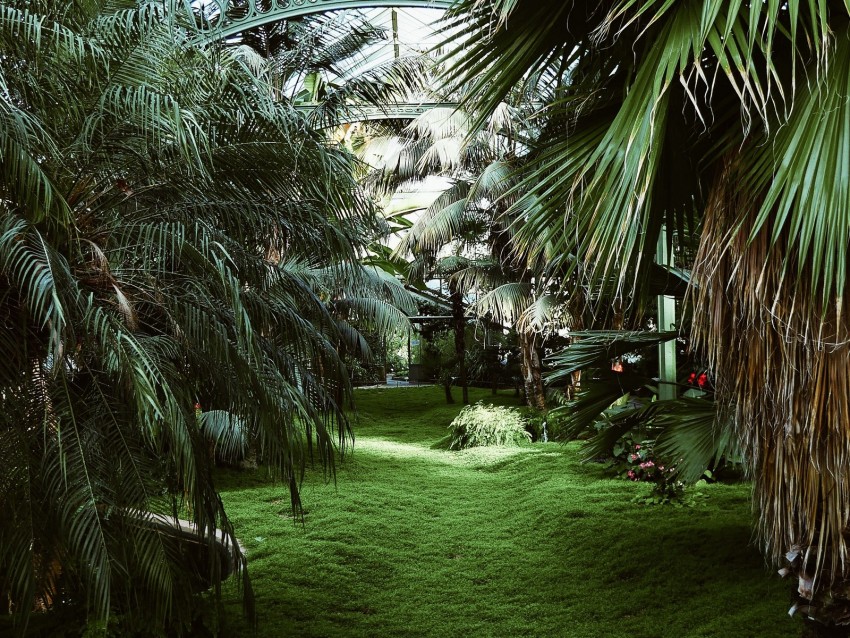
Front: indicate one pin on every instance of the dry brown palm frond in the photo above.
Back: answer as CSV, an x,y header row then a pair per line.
x,y
781,359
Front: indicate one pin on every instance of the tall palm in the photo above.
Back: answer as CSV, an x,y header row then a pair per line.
x,y
469,220
160,214
737,113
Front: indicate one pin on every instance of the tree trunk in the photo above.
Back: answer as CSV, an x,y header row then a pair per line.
x,y
575,384
459,321
780,353
576,307
251,461
447,387
532,372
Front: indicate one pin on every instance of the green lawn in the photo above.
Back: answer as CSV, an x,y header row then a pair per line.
x,y
417,541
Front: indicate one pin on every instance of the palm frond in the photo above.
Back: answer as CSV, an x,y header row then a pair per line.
x,y
227,431
164,222
505,303
592,347
692,437
546,312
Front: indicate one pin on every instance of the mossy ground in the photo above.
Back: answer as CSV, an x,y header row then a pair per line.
x,y
417,541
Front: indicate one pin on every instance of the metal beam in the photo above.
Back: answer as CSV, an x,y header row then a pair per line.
x,y
407,111
229,17
666,321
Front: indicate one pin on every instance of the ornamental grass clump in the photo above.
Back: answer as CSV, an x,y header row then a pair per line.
x,y
485,425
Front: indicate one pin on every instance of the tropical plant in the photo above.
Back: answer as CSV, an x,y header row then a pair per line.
x,y
464,234
487,425
440,354
324,63
736,113
637,461
621,400
166,230
368,305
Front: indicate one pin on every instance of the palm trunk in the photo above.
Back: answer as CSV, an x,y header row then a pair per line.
x,y
780,359
576,305
447,388
532,371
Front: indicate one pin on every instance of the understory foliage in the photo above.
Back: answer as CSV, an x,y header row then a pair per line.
x,y
623,405
170,235
482,425
637,461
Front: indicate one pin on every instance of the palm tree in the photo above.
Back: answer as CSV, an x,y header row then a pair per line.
x,y
330,64
469,219
736,113
162,221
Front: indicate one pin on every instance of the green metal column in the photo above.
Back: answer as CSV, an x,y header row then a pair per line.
x,y
396,48
666,321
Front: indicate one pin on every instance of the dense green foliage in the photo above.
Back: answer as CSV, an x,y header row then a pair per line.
x,y
414,540
179,280
170,235
728,123
483,425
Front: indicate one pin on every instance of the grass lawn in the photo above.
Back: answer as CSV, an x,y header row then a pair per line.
x,y
418,541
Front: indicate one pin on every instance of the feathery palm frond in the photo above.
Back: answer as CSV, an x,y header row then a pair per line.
x,y
155,200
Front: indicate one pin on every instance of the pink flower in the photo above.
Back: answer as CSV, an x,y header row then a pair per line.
x,y
637,446
633,457
632,474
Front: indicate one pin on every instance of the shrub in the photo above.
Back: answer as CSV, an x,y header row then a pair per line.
x,y
480,425
544,426
637,462
536,425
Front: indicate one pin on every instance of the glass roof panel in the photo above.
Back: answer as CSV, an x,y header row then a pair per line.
x,y
414,35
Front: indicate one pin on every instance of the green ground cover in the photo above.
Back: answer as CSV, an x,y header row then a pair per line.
x,y
418,541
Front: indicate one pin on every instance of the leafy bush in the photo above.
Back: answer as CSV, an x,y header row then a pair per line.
x,y
364,374
536,425
481,425
543,426
637,462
